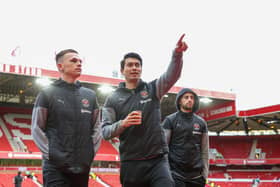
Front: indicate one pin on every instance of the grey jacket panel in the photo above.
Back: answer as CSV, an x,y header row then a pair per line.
x,y
167,133
170,77
109,129
39,118
96,135
205,154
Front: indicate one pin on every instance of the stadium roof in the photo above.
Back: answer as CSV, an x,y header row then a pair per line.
x,y
18,87
265,118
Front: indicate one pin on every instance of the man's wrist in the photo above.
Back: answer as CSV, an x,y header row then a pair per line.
x,y
122,124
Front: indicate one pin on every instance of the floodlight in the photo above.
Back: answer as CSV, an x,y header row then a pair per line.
x,y
206,100
43,81
105,89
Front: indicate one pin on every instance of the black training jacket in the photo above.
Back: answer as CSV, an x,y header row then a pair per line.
x,y
187,136
65,126
146,140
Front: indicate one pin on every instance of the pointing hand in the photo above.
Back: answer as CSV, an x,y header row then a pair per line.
x,y
181,45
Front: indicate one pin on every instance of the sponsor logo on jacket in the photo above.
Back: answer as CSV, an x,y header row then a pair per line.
x,y
85,111
145,101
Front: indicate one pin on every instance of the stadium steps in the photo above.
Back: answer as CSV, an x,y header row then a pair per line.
x,y
7,134
253,149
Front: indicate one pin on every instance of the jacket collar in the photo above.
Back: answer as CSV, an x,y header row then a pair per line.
x,y
140,86
62,83
186,115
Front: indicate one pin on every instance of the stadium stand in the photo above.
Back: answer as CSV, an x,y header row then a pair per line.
x,y
231,146
4,143
100,180
94,183
107,148
269,146
244,184
18,128
15,137
111,179
235,160
251,174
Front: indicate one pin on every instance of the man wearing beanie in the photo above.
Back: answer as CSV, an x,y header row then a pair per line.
x,y
187,137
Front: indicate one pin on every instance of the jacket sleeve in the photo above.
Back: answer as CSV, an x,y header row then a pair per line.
x,y
38,124
110,126
205,153
96,136
167,127
170,77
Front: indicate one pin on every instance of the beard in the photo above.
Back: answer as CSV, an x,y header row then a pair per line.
x,y
185,107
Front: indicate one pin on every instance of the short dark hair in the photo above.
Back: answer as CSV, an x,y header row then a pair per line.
x,y
131,55
63,52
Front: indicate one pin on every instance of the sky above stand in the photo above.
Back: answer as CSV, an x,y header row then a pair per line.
x,y
233,45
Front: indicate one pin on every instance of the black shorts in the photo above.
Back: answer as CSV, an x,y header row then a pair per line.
x,y
154,172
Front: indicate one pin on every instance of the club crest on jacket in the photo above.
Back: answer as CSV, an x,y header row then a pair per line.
x,y
85,103
144,94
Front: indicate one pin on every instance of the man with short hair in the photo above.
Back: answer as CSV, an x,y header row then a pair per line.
x,y
187,137
132,113
65,125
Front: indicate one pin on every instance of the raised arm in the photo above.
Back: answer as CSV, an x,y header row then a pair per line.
x,y
173,72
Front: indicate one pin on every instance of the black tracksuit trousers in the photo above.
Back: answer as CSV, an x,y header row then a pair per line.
x,y
153,172
53,177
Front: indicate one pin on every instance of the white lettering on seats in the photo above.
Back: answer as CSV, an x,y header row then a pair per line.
x,y
10,118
